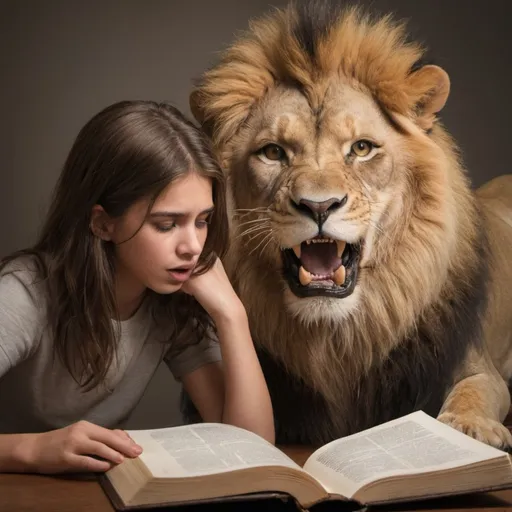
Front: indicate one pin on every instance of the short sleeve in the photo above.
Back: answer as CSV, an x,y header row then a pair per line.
x,y
20,319
194,356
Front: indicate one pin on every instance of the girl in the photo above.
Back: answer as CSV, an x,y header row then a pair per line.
x,y
126,273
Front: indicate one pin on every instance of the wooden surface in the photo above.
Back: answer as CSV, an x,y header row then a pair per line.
x,y
30,493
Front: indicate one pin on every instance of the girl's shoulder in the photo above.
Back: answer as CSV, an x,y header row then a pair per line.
x,y
23,307
22,279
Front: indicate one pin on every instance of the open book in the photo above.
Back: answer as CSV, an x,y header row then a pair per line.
x,y
413,457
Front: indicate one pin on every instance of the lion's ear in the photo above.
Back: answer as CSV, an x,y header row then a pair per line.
x,y
194,102
430,84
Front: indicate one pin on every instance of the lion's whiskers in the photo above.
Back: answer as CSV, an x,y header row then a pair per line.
x,y
253,229
265,240
253,237
237,213
251,233
270,239
379,229
252,221
258,208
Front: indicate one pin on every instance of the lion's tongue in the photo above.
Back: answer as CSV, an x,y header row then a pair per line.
x,y
319,258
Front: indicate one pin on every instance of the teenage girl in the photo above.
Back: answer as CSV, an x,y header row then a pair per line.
x,y
126,273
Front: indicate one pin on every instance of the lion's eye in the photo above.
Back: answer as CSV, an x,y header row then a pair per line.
x,y
273,152
362,148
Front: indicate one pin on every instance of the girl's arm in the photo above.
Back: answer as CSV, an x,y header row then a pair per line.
x,y
235,391
82,446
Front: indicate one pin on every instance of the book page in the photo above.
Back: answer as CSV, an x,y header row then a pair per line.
x,y
205,448
415,443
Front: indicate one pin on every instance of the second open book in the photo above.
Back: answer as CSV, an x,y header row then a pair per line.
x,y
412,457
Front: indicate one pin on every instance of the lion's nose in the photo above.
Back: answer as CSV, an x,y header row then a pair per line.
x,y
319,210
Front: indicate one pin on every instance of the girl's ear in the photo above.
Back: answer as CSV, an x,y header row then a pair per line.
x,y
101,224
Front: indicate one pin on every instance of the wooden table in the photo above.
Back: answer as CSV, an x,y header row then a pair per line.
x,y
35,493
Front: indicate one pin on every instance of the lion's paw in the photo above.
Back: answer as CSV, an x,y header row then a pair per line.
x,y
483,429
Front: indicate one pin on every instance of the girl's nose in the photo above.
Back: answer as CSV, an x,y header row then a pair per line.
x,y
190,244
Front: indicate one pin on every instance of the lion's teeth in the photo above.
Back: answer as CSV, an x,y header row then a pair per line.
x,y
296,250
304,276
322,241
341,247
339,275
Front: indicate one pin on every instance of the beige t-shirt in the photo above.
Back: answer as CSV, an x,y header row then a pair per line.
x,y
37,393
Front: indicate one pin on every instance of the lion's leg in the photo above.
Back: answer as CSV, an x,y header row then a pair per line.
x,y
478,404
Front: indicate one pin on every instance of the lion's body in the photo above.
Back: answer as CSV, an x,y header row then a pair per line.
x,y
495,198
329,135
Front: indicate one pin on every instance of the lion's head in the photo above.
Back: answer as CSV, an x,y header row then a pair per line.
x,y
351,208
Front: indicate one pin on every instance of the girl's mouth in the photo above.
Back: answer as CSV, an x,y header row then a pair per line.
x,y
180,274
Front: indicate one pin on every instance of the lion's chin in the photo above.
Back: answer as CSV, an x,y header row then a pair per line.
x,y
312,310
337,277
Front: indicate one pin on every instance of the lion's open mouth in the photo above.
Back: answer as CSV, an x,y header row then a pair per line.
x,y
322,266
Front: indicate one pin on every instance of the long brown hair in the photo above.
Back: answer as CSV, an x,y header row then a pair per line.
x,y
129,151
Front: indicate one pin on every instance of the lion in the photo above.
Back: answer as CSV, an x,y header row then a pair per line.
x,y
375,279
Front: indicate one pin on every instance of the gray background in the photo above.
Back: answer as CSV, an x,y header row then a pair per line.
x,y
63,61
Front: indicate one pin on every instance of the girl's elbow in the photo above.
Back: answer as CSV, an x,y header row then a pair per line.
x,y
267,431
271,437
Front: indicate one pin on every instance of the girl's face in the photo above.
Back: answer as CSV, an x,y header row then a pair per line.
x,y
163,253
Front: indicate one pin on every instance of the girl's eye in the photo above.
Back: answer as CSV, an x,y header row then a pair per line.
x,y
164,228
202,223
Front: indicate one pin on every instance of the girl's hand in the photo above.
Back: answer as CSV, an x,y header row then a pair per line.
x,y
80,447
214,292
